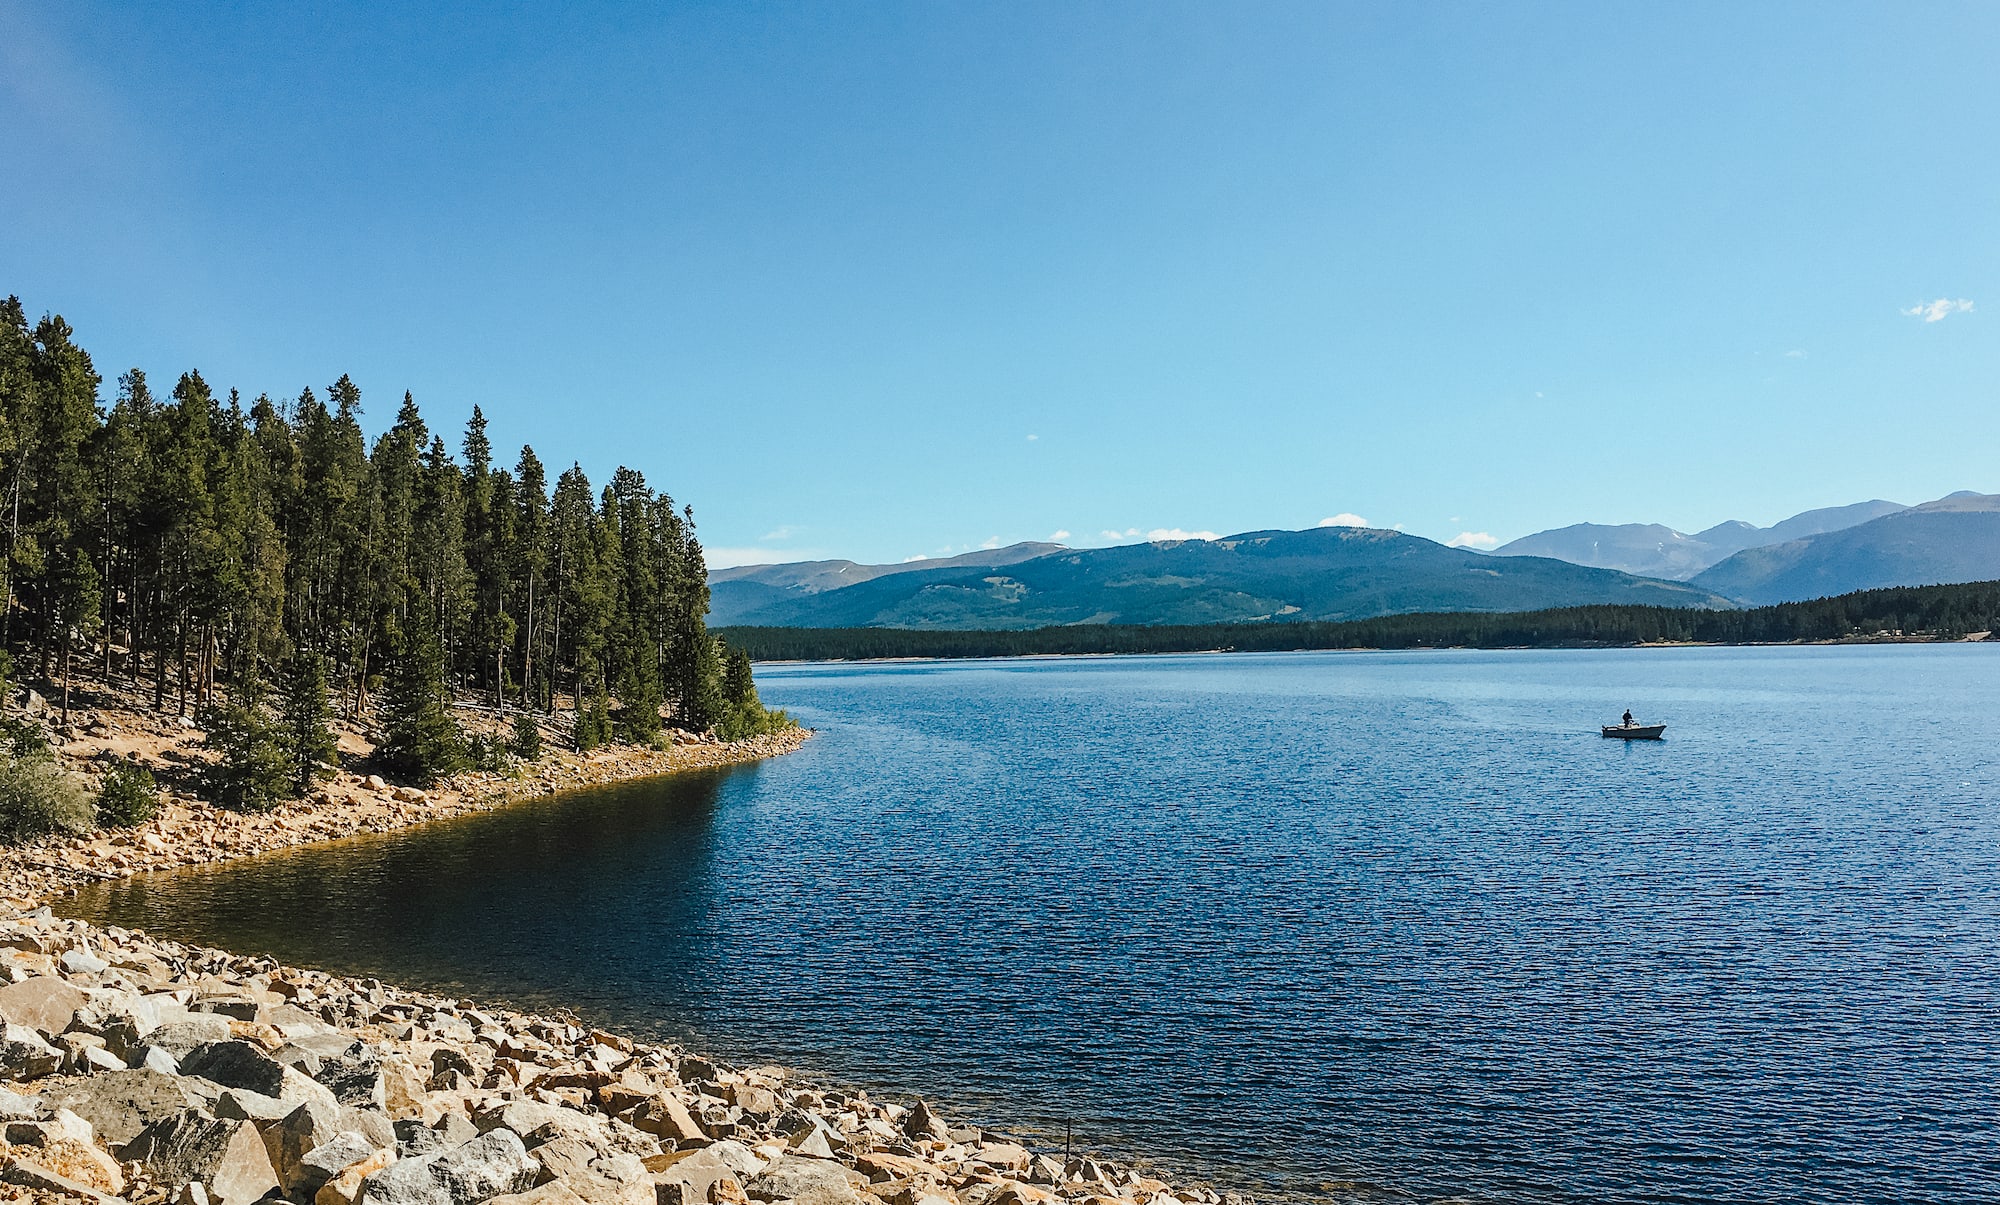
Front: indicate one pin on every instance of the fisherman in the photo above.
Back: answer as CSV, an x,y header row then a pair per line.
x,y
1628,717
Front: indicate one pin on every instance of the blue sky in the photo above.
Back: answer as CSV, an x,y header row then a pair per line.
x,y
888,280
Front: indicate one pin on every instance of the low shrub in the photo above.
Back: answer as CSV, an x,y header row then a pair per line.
x,y
745,720
38,797
22,737
527,743
128,798
489,753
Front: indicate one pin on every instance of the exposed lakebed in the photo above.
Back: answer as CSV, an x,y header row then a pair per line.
x,y
1401,921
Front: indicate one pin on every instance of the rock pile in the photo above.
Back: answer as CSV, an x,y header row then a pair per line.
x,y
164,1074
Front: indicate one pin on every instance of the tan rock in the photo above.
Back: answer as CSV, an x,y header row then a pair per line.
x,y
1009,1155
345,1188
226,1155
24,1055
692,1179
402,1088
666,1117
880,1166
45,1183
83,1161
44,1002
555,1192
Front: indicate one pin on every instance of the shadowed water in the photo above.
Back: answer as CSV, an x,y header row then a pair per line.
x,y
1400,923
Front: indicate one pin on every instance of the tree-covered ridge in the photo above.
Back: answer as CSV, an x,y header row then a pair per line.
x,y
1915,612
200,544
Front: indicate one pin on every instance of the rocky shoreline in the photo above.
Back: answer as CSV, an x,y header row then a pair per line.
x,y
149,1071
189,832
157,1073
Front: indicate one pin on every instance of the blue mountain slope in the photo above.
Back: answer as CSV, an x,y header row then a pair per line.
x,y
1955,539
1323,573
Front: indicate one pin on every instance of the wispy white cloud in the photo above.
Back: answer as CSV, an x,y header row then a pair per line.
x,y
1175,533
1939,310
730,558
1033,438
1343,519
1058,536
990,543
783,533
1473,539
1797,353
911,560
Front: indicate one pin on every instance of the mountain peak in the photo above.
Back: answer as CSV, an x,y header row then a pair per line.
x,y
1253,576
1653,550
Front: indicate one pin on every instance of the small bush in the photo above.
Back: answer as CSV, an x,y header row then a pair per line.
x,y
22,737
38,797
744,721
489,753
527,737
128,798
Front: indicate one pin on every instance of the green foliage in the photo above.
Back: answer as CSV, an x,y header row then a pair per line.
x,y
639,712
38,798
22,737
739,681
203,536
252,772
593,719
741,723
129,797
527,743
421,740
742,713
489,753
704,704
1925,612
305,721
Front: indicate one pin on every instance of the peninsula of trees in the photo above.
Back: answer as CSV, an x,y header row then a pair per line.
x,y
265,554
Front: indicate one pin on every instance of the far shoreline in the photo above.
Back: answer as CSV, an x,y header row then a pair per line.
x,y
1846,642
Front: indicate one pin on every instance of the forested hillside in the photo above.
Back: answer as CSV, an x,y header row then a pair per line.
x,y
1916,612
201,545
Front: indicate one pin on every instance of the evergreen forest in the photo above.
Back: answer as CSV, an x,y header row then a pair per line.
x,y
1946,612
267,555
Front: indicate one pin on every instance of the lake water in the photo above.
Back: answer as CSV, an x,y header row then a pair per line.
x,y
1334,925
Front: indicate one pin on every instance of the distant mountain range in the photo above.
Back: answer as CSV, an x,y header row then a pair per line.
x,y
1322,573
1955,539
1652,550
749,589
1336,573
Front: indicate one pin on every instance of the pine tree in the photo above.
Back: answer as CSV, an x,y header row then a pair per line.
x,y
251,772
305,720
527,742
421,740
702,704
76,600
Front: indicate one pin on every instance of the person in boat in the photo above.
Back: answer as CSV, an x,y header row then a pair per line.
x,y
1628,717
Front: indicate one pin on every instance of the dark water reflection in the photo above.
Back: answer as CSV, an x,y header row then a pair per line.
x,y
1396,919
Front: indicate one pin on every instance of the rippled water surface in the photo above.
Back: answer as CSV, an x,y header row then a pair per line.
x,y
1323,924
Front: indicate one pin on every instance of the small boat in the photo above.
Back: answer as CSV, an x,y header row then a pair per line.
x,y
1635,732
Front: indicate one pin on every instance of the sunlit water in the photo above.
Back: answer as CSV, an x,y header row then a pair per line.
x,y
1316,924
